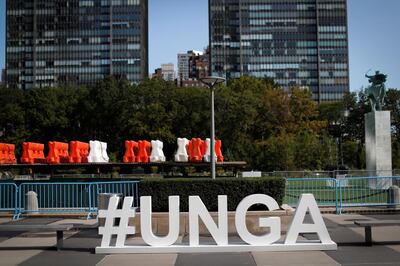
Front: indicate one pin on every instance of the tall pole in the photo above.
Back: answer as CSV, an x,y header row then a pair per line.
x,y
211,82
212,145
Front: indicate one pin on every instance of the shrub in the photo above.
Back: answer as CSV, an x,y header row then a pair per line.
x,y
208,190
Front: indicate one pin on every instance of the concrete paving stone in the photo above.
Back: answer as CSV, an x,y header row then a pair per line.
x,y
7,235
362,255
311,258
16,257
341,236
394,247
384,216
139,259
5,220
26,242
63,258
33,239
86,239
345,219
215,259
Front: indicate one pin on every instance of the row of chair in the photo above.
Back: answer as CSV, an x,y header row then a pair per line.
x,y
33,153
195,150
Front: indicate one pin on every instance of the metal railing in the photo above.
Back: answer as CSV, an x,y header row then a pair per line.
x,y
64,197
329,174
73,197
8,197
57,197
367,192
126,188
344,193
324,190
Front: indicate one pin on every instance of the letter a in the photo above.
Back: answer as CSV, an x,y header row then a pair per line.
x,y
307,202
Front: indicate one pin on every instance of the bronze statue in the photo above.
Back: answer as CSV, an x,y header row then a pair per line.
x,y
376,91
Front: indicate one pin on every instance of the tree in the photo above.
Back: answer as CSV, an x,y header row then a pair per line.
x,y
52,113
12,116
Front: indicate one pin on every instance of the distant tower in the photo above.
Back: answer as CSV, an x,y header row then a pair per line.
x,y
52,42
168,72
295,42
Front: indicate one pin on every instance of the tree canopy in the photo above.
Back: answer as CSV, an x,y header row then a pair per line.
x,y
257,121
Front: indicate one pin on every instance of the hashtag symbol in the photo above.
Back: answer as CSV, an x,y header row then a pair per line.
x,y
122,230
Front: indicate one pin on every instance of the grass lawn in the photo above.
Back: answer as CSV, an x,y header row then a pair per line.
x,y
352,191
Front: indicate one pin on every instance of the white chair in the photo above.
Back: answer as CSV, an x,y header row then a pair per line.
x,y
157,154
98,152
207,156
181,154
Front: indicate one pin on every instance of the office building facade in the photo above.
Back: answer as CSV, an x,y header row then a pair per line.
x,y
168,72
298,43
184,60
192,66
52,43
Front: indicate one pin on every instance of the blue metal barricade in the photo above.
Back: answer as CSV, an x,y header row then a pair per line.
x,y
9,197
126,188
323,189
344,192
366,192
340,193
57,197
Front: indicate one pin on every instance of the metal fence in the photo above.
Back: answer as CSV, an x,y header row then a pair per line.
x,y
330,174
126,188
57,197
339,193
346,192
8,197
65,197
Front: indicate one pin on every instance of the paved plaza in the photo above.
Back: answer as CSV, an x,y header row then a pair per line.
x,y
36,248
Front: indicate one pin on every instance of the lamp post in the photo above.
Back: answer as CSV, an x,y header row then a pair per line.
x,y
344,115
211,82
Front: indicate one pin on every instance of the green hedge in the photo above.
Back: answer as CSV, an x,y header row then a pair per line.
x,y
208,190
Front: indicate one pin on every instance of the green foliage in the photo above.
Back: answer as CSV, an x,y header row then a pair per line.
x,y
12,116
350,130
256,120
208,190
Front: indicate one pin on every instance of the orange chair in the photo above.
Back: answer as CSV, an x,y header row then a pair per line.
x,y
196,150
32,153
144,152
11,154
131,150
3,153
7,154
218,152
58,153
79,152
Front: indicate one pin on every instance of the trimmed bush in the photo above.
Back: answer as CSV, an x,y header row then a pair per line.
x,y
208,190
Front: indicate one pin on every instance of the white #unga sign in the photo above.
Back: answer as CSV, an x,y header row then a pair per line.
x,y
219,232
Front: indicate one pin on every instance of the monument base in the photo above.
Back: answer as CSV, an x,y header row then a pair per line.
x,y
378,148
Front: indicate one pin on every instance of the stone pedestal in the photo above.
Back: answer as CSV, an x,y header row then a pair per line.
x,y
378,148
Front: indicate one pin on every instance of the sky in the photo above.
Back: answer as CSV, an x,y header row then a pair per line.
x,y
176,26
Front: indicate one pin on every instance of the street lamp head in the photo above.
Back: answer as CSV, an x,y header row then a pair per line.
x,y
211,81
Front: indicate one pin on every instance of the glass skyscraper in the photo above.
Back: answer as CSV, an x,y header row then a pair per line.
x,y
55,42
301,43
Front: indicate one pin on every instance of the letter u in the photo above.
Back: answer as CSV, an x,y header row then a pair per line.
x,y
146,222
